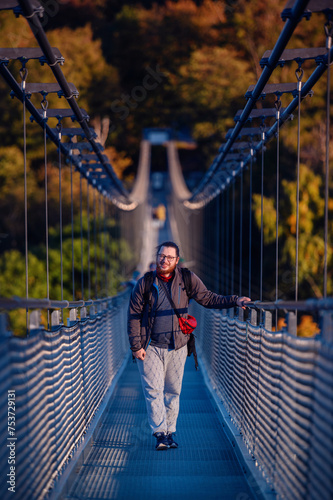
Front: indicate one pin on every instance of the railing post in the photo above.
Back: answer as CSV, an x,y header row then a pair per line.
x,y
326,321
267,317
83,313
4,332
291,321
254,317
34,320
72,317
55,319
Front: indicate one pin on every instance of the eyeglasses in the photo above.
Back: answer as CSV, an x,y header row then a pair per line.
x,y
168,258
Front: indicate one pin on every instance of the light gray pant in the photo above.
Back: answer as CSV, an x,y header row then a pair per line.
x,y
162,376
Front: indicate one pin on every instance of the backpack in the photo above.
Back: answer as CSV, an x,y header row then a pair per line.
x,y
186,273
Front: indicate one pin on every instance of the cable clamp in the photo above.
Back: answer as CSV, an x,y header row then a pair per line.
x,y
44,103
59,129
328,27
278,105
23,75
299,75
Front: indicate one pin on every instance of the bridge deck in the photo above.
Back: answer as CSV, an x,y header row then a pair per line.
x,y
123,462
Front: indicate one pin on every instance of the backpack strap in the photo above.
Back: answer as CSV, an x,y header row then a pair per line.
x,y
187,281
149,280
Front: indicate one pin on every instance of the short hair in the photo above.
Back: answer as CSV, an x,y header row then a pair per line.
x,y
167,244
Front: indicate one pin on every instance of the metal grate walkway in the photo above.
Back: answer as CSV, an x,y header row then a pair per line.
x,y
123,463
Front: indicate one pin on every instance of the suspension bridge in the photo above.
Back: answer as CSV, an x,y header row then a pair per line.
x,y
256,420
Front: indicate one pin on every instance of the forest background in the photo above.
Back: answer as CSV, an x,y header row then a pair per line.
x,y
203,55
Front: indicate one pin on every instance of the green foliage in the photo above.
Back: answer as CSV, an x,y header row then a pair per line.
x,y
103,265
311,244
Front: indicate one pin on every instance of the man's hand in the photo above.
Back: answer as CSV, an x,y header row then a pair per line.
x,y
242,301
140,354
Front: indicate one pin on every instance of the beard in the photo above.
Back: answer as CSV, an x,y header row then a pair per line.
x,y
169,269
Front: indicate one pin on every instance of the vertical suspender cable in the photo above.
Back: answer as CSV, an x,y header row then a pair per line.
x,y
101,242
59,127
227,244
222,241
44,105
95,245
24,74
218,230
262,214
72,224
328,31
250,225
233,234
105,250
88,237
278,107
241,232
112,219
299,75
81,237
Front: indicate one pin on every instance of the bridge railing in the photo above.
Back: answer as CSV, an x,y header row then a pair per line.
x,y
278,391
52,383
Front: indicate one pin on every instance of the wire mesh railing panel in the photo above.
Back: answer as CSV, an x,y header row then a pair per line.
x,y
7,402
239,370
278,391
65,375
252,387
59,379
94,378
295,414
34,423
271,352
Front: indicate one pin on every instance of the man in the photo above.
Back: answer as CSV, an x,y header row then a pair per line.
x,y
157,341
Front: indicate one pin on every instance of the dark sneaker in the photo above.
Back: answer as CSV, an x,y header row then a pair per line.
x,y
172,443
162,441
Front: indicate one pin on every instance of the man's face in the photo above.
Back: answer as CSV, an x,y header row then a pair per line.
x,y
166,260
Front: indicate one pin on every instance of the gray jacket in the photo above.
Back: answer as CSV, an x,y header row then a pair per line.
x,y
141,319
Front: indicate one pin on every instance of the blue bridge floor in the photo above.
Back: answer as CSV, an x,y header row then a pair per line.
x,y
123,462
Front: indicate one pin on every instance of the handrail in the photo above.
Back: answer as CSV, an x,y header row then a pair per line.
x,y
10,304
289,305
